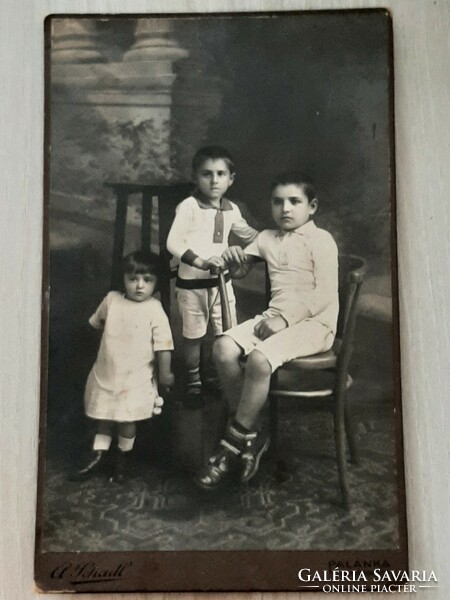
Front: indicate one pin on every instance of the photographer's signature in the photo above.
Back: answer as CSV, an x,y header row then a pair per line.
x,y
90,572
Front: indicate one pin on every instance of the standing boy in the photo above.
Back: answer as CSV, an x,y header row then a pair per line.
x,y
198,238
302,262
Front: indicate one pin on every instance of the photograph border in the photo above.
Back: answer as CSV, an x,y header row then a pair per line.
x,y
193,571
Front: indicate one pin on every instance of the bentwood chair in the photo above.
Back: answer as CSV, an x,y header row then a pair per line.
x,y
331,374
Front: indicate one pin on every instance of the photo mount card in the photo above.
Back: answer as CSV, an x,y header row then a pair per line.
x,y
130,99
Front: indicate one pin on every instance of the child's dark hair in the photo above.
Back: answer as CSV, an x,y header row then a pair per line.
x,y
215,153
141,262
295,178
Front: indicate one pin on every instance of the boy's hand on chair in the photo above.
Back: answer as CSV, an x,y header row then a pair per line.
x,y
215,264
234,255
267,327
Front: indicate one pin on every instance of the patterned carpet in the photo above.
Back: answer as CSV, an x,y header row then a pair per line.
x,y
159,508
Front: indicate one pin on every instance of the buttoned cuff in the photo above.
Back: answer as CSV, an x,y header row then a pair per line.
x,y
189,257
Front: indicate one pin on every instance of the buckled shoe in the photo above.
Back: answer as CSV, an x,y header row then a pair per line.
x,y
251,456
224,463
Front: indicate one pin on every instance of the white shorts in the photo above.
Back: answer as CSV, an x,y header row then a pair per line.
x,y
302,339
198,307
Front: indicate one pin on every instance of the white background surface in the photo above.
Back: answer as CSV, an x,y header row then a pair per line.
x,y
422,89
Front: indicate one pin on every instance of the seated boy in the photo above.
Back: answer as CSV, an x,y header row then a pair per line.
x,y
301,318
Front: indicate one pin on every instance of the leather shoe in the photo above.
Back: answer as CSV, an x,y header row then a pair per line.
x,y
120,466
239,447
93,465
220,467
251,456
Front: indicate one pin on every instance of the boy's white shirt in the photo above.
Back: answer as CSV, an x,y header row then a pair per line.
x,y
193,229
303,271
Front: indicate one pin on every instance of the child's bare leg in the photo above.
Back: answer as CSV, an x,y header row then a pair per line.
x,y
255,389
242,447
226,354
103,435
191,351
127,431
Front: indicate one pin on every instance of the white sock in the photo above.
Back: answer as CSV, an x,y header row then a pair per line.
x,y
126,444
102,441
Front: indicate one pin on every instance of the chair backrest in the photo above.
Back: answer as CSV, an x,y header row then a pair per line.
x,y
169,196
352,270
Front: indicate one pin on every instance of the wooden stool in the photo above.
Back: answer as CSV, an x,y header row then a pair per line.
x,y
169,196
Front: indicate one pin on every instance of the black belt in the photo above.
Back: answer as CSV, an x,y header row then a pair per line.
x,y
199,284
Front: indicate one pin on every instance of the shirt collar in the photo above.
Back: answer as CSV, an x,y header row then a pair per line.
x,y
225,204
304,229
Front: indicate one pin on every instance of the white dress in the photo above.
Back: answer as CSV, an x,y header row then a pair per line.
x,y
121,385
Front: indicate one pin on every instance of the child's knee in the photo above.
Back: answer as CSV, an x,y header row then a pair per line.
x,y
225,350
258,365
127,429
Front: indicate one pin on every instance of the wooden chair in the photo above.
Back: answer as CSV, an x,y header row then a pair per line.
x,y
331,371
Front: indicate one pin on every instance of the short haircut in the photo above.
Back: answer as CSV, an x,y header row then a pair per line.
x,y
141,262
214,153
295,178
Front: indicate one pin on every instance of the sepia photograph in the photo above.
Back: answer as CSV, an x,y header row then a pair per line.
x,y
220,369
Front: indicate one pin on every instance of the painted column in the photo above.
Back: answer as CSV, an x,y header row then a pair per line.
x,y
75,41
127,103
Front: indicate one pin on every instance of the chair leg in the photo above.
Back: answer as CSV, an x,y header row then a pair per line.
x,y
340,444
273,411
351,439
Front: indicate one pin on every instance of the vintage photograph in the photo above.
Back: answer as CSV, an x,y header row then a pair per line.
x,y
220,344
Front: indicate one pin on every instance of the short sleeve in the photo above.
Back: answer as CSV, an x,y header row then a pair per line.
x,y
162,334
97,320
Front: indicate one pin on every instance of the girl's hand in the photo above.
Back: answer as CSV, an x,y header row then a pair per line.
x,y
166,381
234,255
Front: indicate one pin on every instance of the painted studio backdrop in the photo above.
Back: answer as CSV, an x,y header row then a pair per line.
x,y
129,100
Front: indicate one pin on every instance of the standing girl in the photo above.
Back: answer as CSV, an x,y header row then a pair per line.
x,y
121,387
